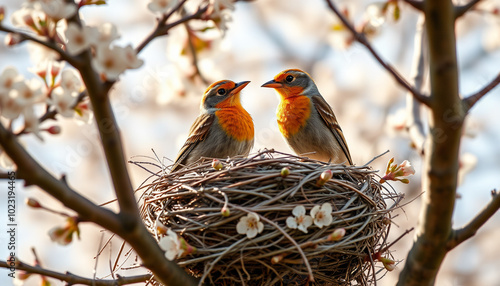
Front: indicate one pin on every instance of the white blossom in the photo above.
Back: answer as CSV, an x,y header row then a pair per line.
x,y
40,53
70,81
8,77
250,225
111,62
300,220
11,107
63,101
58,9
26,17
102,35
322,216
162,6
31,122
84,111
171,244
221,5
77,39
131,57
27,92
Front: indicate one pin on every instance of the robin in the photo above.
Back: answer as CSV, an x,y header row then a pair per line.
x,y
306,120
223,128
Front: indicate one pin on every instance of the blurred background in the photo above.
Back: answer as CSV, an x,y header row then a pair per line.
x,y
156,104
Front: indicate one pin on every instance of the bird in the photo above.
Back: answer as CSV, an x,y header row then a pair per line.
x,y
306,120
223,128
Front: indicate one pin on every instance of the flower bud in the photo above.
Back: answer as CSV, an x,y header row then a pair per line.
x,y
285,172
12,39
389,264
225,211
324,177
337,234
277,258
217,165
33,203
54,130
188,249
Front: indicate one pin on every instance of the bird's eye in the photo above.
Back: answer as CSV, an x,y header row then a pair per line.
x,y
289,78
221,91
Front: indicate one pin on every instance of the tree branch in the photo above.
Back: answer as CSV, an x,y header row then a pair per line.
x,y
24,36
38,176
132,229
72,279
461,10
441,150
471,100
162,27
419,5
460,235
414,124
360,37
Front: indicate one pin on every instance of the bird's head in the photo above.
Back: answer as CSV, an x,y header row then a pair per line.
x,y
293,82
224,93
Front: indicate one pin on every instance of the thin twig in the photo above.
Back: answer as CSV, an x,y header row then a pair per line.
x,y
194,55
360,37
471,100
72,279
162,28
285,234
414,124
64,55
461,10
417,4
460,235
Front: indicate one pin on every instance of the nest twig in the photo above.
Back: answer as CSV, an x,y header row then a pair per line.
x,y
189,202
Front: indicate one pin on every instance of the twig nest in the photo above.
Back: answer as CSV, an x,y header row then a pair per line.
x,y
272,219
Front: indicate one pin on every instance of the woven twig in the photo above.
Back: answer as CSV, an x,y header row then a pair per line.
x,y
190,201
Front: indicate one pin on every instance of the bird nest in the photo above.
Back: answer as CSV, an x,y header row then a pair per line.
x,y
203,205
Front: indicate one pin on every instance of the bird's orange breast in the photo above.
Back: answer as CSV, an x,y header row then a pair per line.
x,y
236,122
292,114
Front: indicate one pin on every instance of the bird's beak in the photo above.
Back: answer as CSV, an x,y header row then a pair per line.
x,y
272,84
239,86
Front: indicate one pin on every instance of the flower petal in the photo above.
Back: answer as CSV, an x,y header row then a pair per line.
x,y
242,225
314,211
327,208
291,222
299,210
252,232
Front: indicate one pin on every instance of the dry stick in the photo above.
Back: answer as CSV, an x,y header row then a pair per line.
x,y
297,246
414,124
219,257
362,40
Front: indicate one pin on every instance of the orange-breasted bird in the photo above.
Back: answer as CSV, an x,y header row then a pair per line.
x,y
223,128
306,120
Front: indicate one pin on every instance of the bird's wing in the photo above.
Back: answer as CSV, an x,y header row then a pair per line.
x,y
197,133
326,113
